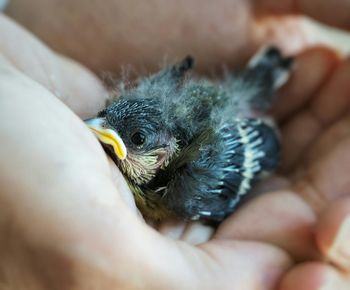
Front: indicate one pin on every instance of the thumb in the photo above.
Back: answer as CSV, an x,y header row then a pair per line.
x,y
73,84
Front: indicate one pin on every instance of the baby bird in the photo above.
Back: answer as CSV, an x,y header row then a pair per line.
x,y
192,148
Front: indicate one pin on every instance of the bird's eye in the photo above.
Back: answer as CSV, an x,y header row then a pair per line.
x,y
138,138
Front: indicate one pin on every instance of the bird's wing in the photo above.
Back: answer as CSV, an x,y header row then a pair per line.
x,y
210,175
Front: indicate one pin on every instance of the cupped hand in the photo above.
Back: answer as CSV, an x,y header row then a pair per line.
x,y
67,217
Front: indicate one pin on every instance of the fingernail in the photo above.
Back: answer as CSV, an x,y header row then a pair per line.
x,y
339,251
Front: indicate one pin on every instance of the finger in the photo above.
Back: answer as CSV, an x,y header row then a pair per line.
x,y
70,82
330,104
297,135
193,233
172,228
314,276
280,218
333,234
197,233
332,12
325,179
312,68
332,138
244,265
333,101
273,183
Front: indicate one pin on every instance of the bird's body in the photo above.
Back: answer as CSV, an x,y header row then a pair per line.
x,y
195,147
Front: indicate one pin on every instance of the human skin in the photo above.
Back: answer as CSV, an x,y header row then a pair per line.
x,y
105,36
91,226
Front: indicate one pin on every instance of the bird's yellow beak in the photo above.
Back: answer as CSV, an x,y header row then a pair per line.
x,y
107,136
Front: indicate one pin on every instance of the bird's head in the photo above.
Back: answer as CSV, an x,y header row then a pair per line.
x,y
132,132
138,129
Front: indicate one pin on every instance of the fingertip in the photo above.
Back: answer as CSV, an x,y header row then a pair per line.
x,y
333,233
310,276
197,233
172,228
312,68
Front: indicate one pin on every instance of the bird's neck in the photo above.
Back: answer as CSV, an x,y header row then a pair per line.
x,y
149,202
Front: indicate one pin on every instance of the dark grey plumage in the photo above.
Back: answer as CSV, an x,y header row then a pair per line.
x,y
195,147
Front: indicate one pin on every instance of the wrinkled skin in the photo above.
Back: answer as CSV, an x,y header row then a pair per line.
x,y
68,220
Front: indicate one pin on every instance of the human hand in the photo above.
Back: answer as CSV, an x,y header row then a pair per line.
x,y
307,217
67,218
105,36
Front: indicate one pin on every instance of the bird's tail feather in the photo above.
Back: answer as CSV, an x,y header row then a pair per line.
x,y
271,59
